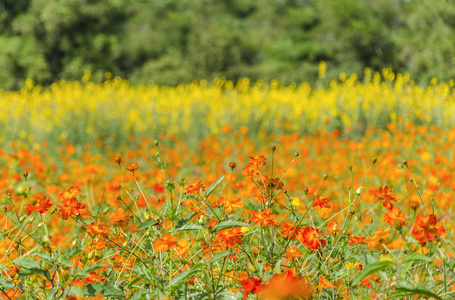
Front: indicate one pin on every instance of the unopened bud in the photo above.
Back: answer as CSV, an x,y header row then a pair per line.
x,y
325,176
118,159
146,216
232,165
156,143
25,174
273,147
350,167
359,191
305,190
21,219
296,154
375,160
157,154
31,220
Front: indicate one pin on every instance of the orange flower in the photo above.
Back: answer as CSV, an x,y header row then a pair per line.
x,y
286,286
378,239
165,243
70,193
273,184
310,238
12,294
230,237
383,197
95,229
322,203
324,283
41,206
257,160
263,218
287,229
394,215
119,217
182,247
257,195
355,240
132,167
367,280
292,253
251,285
195,188
70,207
230,203
250,170
425,229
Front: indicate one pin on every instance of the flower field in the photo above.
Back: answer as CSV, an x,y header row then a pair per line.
x,y
223,191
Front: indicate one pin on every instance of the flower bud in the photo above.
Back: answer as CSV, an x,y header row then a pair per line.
x,y
273,147
359,191
232,165
156,143
146,216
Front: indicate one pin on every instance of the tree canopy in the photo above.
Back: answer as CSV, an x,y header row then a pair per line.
x,y
177,41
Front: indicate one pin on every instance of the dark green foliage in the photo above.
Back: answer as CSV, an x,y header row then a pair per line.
x,y
177,41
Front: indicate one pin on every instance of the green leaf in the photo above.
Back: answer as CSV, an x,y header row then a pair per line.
x,y
105,289
51,293
186,219
218,256
75,290
409,289
229,224
414,257
164,208
139,295
147,224
277,268
67,263
6,284
85,271
73,251
212,187
186,274
226,295
371,269
44,256
135,280
26,263
189,227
